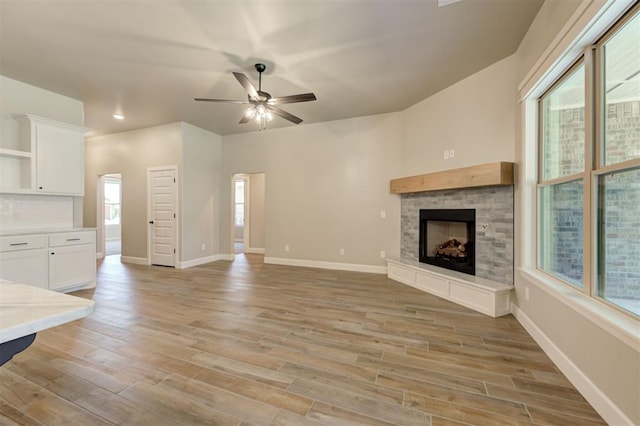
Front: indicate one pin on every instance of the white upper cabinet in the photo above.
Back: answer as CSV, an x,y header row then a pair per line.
x,y
59,159
41,156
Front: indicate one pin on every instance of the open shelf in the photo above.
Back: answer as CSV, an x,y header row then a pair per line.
x,y
12,153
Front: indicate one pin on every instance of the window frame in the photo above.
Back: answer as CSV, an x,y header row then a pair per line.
x,y
594,167
236,203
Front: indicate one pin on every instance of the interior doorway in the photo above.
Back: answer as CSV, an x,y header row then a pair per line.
x,y
112,215
109,217
248,201
240,208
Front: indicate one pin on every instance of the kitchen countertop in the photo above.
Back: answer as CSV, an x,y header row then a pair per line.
x,y
10,232
25,309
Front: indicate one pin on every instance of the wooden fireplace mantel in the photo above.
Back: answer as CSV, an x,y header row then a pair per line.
x,y
489,174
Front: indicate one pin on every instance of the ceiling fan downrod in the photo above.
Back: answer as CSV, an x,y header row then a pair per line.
x,y
260,68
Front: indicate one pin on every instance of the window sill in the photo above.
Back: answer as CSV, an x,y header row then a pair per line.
x,y
623,327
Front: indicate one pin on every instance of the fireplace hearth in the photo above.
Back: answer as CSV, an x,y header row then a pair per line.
x,y
447,239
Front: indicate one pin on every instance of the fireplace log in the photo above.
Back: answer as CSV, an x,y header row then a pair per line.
x,y
451,248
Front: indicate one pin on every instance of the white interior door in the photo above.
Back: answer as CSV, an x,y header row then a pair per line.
x,y
162,222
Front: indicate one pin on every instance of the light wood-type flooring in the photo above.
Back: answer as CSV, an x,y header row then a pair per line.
x,y
245,343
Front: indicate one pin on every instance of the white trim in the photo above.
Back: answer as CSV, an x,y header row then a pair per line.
x,y
254,250
100,227
326,265
134,260
246,232
201,261
617,324
598,399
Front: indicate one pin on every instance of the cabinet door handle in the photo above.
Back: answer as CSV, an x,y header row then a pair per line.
x,y
52,253
73,239
151,222
18,244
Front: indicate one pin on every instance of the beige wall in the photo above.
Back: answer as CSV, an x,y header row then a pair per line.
x,y
326,184
551,18
600,359
202,158
256,210
20,98
475,117
130,154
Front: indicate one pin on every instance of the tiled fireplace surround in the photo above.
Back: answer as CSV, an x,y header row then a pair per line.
x,y
494,225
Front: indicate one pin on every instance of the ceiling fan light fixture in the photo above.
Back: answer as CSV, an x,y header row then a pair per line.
x,y
263,106
250,112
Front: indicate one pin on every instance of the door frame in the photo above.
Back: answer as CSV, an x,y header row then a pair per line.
x,y
100,229
176,227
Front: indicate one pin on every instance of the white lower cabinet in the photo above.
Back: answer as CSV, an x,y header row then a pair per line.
x,y
71,266
62,261
23,259
25,266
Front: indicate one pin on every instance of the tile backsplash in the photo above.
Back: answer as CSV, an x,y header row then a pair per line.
x,y
31,212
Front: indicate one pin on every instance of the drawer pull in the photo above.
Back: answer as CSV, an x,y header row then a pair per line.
x,y
18,244
73,239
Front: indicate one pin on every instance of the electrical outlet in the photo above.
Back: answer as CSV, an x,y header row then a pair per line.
x,y
203,247
286,247
383,214
446,154
341,252
383,254
526,294
452,153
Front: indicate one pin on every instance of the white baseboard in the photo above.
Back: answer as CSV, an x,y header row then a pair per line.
x,y
600,402
254,250
326,265
202,261
134,260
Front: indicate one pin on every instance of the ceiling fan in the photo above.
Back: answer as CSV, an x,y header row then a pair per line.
x,y
263,105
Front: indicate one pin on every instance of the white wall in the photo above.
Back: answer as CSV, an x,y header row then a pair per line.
x,y
130,154
326,184
476,117
17,98
202,157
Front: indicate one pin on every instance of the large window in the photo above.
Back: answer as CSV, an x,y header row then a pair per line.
x,y
239,203
589,171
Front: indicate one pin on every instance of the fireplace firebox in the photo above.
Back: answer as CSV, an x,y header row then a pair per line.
x,y
447,239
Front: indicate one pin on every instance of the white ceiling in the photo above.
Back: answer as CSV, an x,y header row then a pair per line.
x,y
148,59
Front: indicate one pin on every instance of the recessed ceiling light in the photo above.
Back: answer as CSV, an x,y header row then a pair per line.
x,y
442,3
118,116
